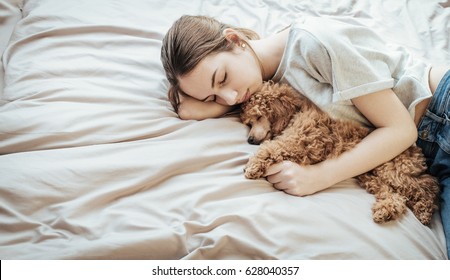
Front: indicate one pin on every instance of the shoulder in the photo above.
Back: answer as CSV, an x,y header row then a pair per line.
x,y
304,39
333,32
304,48
318,34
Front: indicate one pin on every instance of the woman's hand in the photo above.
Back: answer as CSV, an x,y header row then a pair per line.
x,y
193,109
297,180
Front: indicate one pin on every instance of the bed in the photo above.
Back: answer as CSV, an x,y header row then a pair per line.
x,y
95,164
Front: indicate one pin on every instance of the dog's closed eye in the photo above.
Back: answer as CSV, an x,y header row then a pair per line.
x,y
251,123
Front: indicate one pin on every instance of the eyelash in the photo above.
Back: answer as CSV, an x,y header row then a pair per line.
x,y
221,83
224,79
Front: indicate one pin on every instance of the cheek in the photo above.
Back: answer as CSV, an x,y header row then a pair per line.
x,y
246,74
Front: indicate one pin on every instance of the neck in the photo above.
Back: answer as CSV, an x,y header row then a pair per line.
x,y
263,71
269,52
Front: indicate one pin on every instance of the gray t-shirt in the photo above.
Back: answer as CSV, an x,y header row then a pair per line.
x,y
332,61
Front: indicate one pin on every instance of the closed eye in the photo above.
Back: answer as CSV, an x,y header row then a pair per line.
x,y
221,83
249,124
212,98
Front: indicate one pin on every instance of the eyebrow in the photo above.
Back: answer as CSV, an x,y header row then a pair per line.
x,y
213,80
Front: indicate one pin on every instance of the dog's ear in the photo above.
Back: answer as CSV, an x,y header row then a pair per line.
x,y
293,97
286,104
282,112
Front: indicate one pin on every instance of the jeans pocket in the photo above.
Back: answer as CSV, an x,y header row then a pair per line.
x,y
443,136
427,135
427,128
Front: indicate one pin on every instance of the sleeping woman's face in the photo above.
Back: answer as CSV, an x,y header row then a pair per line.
x,y
227,78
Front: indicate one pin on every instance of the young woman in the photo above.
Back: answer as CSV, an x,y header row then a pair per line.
x,y
346,69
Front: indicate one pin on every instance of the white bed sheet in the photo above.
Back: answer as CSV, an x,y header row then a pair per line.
x,y
94,163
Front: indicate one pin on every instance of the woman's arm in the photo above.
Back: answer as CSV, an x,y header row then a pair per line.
x,y
193,109
395,132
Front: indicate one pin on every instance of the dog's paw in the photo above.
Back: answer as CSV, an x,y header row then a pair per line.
x,y
388,209
424,218
424,211
253,170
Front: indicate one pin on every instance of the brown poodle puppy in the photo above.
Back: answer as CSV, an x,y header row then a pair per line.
x,y
298,131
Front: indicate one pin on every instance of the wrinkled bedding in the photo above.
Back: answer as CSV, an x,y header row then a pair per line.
x,y
95,164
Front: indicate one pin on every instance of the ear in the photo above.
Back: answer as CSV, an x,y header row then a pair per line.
x,y
232,36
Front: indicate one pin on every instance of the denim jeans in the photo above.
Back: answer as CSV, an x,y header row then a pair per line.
x,y
434,139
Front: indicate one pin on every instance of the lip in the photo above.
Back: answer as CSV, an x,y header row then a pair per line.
x,y
246,96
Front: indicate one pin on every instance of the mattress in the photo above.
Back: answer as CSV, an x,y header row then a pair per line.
x,y
95,163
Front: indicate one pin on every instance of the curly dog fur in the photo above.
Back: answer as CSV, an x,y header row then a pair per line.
x,y
298,131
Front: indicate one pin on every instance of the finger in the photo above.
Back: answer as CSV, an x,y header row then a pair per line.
x,y
280,186
273,169
275,178
294,192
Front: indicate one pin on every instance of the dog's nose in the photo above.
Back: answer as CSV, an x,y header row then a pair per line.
x,y
251,140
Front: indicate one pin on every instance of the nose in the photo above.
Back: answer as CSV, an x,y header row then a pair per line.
x,y
252,140
229,97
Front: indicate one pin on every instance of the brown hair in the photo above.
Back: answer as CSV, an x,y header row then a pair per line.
x,y
188,41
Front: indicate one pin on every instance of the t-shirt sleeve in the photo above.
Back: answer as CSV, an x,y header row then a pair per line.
x,y
359,59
